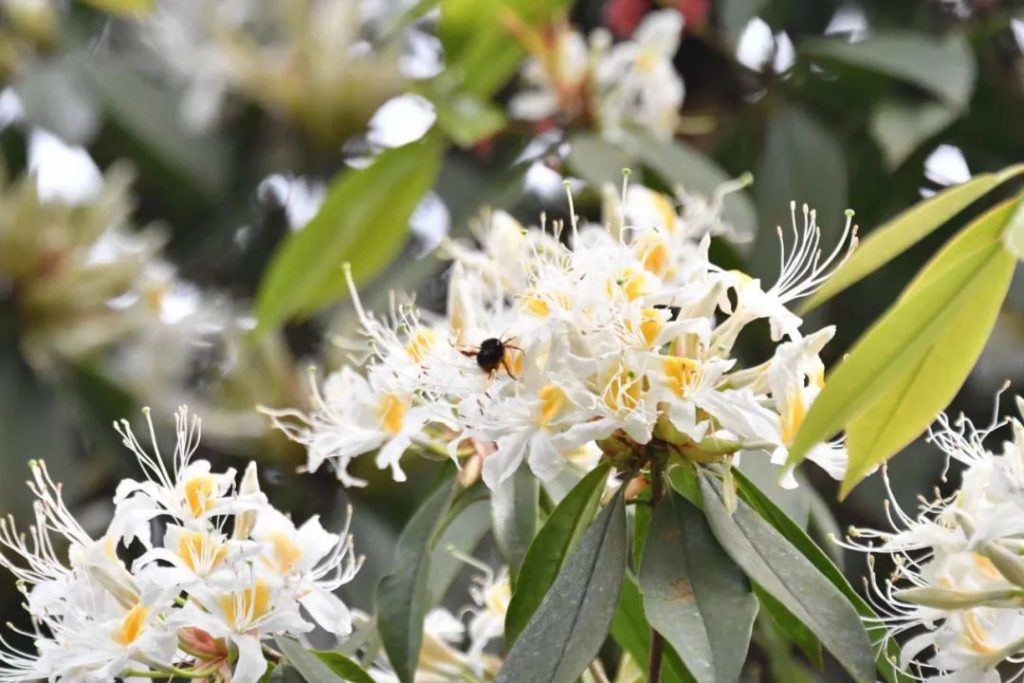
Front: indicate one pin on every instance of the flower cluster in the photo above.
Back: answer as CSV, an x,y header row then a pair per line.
x,y
227,572
633,82
454,650
957,589
621,340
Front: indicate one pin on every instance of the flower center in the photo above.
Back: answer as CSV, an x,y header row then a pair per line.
x,y
200,552
792,416
132,625
420,343
244,607
392,411
552,401
622,393
680,373
199,494
286,553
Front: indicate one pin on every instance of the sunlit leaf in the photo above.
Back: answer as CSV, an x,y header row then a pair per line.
x,y
944,67
912,347
344,667
567,630
363,220
892,239
552,545
403,594
782,571
694,595
124,7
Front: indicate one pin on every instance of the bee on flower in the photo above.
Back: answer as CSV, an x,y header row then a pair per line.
x,y
560,338
955,599
226,573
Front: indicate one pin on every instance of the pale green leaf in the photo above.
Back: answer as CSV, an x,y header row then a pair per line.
x,y
363,220
567,630
467,119
123,7
693,593
552,545
514,510
790,578
597,160
344,667
306,662
892,239
942,66
901,127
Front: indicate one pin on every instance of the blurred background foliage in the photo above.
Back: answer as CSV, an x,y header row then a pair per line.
x,y
162,238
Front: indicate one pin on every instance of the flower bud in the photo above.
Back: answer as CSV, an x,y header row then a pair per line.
x,y
245,521
1009,563
948,599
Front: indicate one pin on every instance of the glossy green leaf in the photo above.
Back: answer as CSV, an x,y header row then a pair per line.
x,y
633,634
680,165
344,667
694,595
307,663
774,515
892,239
598,161
906,351
944,67
403,594
567,630
363,220
552,545
515,505
901,127
782,571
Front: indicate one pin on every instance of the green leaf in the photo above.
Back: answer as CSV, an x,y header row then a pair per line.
x,y
128,8
901,127
791,627
892,239
364,220
567,630
802,162
402,595
344,667
633,634
783,572
774,515
552,545
307,663
479,47
944,67
466,119
597,160
462,533
908,366
694,595
515,505
679,164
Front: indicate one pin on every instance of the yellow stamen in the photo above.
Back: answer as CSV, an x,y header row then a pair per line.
x,y
200,493
537,306
632,282
622,393
132,625
392,411
200,552
244,607
680,373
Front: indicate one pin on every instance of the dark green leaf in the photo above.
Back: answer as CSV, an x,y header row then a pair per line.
x,y
789,577
901,127
694,595
306,662
514,508
402,595
364,220
343,667
791,627
549,550
567,630
633,634
943,67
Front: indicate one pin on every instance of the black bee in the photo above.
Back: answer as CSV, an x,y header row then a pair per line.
x,y
491,354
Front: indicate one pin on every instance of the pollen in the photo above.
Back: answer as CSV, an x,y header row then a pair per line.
x,y
537,306
552,401
199,494
132,625
651,322
392,411
680,374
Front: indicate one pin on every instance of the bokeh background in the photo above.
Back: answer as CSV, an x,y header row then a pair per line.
x,y
155,155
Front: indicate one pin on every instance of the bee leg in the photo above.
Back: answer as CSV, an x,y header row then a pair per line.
x,y
504,364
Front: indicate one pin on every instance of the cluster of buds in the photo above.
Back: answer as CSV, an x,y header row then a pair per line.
x,y
570,78
202,598
957,590
623,337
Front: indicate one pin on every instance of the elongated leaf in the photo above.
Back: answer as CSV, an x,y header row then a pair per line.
x,y
694,595
943,67
344,667
123,7
364,220
633,634
514,508
902,127
791,627
402,595
678,164
781,570
892,239
895,353
463,534
597,160
567,630
549,550
306,662
774,515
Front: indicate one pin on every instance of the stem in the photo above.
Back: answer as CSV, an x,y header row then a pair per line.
x,y
657,642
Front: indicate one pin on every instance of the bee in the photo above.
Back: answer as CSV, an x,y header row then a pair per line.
x,y
491,354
